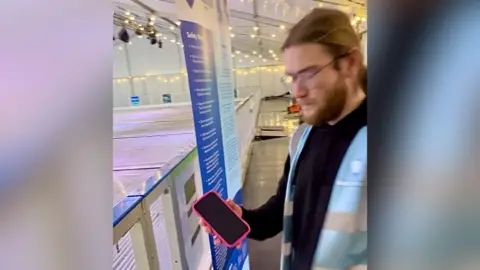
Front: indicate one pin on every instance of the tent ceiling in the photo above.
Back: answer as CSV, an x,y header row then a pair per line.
x,y
257,26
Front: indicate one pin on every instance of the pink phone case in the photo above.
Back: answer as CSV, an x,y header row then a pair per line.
x,y
240,240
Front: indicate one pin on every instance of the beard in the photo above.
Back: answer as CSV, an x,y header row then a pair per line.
x,y
330,107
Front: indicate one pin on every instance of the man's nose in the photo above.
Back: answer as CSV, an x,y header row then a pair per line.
x,y
299,91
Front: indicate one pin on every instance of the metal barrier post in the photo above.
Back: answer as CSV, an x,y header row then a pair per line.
x,y
173,227
143,242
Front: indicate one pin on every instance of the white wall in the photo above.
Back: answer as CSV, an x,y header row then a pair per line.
x,y
144,70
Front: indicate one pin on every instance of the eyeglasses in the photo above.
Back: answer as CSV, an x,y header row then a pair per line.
x,y
305,76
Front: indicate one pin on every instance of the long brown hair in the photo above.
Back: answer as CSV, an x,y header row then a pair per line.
x,y
330,28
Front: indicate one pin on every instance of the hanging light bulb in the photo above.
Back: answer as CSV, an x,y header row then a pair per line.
x,y
252,36
282,26
172,28
254,52
255,28
232,35
273,35
237,52
127,13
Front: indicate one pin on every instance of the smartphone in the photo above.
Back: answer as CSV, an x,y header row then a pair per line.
x,y
222,220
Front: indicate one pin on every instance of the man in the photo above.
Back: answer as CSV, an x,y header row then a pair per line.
x,y
323,60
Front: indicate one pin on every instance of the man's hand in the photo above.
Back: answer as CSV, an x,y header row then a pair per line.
x,y
237,209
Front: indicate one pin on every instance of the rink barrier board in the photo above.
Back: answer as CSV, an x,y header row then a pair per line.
x,y
130,210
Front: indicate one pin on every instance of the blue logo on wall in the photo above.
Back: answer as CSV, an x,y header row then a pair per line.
x,y
135,100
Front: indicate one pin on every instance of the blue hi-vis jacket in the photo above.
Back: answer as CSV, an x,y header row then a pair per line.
x,y
342,244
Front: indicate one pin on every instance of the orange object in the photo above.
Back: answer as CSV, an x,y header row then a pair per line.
x,y
295,108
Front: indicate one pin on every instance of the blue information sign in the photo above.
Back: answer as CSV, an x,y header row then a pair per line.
x,y
206,39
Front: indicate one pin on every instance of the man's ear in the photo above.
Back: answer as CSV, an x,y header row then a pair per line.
x,y
351,64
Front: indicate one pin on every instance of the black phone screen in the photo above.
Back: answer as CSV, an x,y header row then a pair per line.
x,y
221,218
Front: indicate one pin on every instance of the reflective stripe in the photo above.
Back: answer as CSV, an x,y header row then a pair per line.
x,y
345,222
286,249
288,208
350,183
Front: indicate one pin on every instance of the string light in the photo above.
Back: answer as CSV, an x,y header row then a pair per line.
x,y
237,52
273,35
172,28
254,52
282,27
127,13
178,23
132,18
232,35
252,36
255,28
